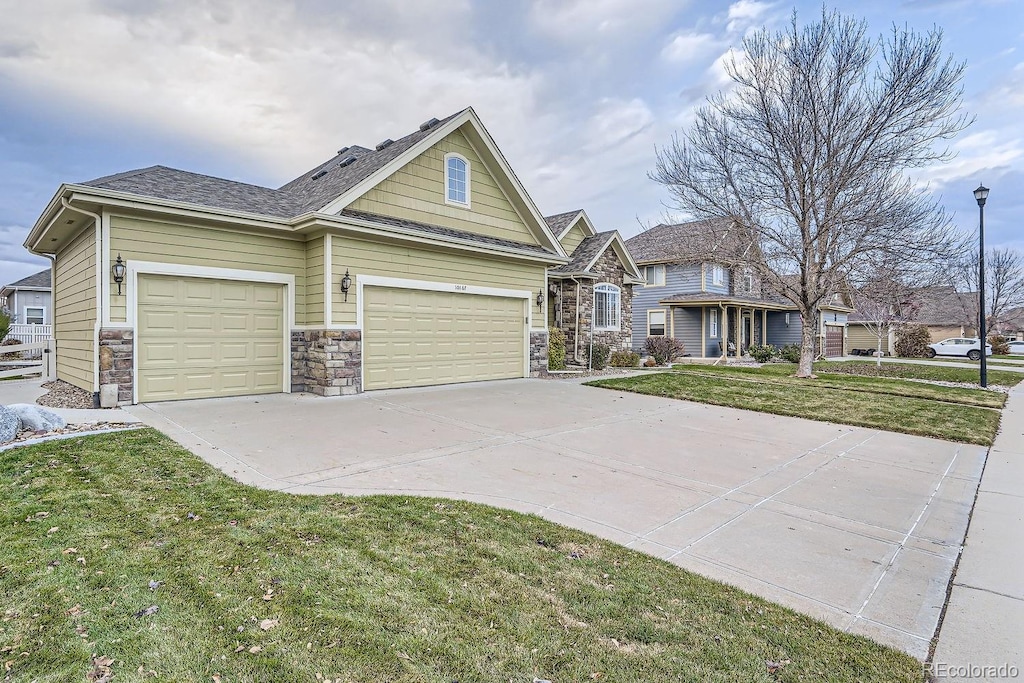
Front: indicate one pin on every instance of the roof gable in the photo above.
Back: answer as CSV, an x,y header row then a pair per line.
x,y
678,242
477,139
592,248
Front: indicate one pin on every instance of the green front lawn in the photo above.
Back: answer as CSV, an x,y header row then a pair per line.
x,y
933,373
926,410
124,553
783,373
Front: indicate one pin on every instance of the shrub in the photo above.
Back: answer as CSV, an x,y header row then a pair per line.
x,y
599,356
556,349
664,349
762,354
624,359
912,341
1000,347
790,353
649,363
5,322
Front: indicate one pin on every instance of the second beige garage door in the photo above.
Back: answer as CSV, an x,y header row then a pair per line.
x,y
417,338
199,338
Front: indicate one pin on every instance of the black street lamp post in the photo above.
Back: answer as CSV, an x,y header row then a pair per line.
x,y
981,194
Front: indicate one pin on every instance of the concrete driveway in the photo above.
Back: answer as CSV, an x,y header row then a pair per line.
x,y
857,527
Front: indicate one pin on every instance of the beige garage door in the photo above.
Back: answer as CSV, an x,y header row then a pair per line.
x,y
417,338
199,338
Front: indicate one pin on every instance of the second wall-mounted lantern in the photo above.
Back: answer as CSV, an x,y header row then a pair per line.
x,y
540,299
346,284
118,270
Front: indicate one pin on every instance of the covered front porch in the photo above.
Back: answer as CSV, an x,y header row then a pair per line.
x,y
728,327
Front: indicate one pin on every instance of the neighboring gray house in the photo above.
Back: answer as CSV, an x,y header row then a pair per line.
x,y
30,299
714,310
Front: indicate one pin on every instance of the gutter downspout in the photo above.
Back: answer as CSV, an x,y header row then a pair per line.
x,y
576,337
99,291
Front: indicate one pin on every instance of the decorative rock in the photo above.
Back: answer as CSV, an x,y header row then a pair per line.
x,y
36,418
9,424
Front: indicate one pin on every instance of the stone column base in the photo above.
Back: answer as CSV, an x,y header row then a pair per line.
x,y
116,358
538,353
327,362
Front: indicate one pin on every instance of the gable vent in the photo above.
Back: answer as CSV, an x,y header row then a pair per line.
x,y
384,144
427,125
342,151
347,161
318,175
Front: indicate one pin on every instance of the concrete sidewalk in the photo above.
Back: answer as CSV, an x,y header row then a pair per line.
x,y
982,633
28,390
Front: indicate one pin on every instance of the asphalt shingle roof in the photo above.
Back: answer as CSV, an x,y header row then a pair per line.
x,y
936,306
309,192
40,279
560,221
677,242
585,252
446,232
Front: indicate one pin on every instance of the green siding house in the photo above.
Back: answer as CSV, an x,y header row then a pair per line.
x,y
421,261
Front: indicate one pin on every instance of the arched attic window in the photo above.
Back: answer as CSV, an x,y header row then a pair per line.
x,y
456,179
606,307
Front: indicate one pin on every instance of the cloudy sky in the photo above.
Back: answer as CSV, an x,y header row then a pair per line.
x,y
577,93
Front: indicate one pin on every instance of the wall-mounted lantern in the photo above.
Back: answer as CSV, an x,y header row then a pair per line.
x,y
118,270
346,284
540,299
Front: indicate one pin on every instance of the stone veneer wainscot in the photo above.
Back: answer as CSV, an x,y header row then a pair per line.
x,y
117,352
327,362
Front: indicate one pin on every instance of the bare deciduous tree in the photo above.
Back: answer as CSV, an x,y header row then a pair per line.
x,y
807,154
885,300
1004,285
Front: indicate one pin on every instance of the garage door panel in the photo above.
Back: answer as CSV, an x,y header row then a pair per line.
x,y
417,337
200,338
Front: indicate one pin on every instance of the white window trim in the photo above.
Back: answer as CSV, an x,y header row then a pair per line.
x,y
24,312
655,266
469,181
713,323
717,275
664,324
748,281
608,287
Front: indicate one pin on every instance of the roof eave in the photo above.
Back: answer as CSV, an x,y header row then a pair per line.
x,y
314,219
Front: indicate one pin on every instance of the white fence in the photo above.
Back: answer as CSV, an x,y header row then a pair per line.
x,y
29,334
17,360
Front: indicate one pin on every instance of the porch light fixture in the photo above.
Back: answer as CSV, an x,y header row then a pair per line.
x,y
118,270
540,298
346,284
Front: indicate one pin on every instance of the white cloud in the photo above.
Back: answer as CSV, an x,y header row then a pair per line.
x,y
977,154
688,46
745,13
583,21
286,90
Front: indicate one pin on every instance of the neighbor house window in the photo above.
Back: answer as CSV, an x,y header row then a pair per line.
x,y
654,276
748,281
35,315
713,322
655,323
717,275
606,307
456,179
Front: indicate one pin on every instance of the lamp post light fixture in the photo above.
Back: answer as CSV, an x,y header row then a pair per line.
x,y
981,194
118,271
346,284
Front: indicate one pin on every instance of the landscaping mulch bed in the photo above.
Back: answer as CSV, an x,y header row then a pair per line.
x,y
64,395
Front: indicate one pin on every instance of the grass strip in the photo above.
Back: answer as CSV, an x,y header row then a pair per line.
x,y
807,399
125,554
935,373
878,385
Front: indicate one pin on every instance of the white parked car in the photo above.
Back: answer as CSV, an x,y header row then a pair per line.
x,y
959,346
1016,347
